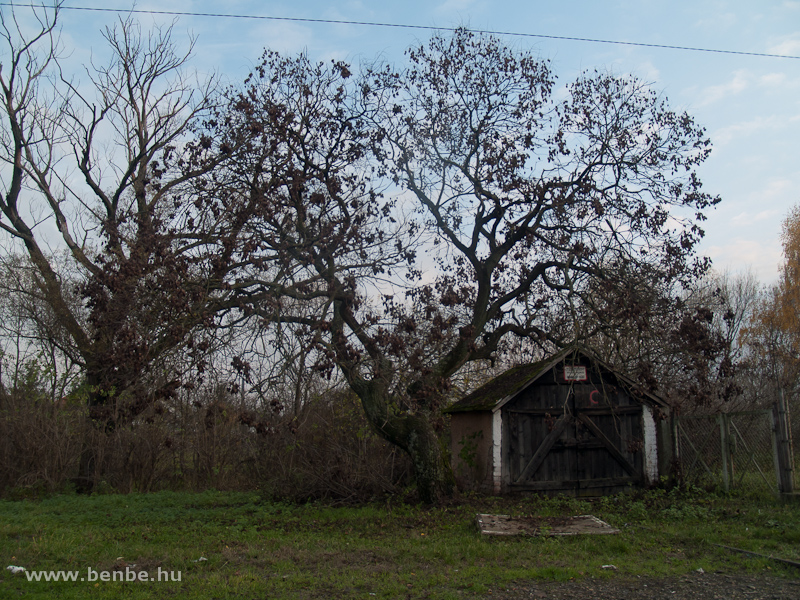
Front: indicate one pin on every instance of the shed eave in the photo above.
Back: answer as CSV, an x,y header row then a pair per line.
x,y
544,367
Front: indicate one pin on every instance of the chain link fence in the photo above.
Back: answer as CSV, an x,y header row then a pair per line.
x,y
732,452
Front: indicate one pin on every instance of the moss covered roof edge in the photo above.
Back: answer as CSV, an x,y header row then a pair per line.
x,y
497,391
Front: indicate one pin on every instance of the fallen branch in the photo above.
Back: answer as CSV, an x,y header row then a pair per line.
x,y
780,560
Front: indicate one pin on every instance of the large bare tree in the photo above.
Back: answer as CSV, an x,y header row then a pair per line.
x,y
421,217
98,172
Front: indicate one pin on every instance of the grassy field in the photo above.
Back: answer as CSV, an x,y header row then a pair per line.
x,y
236,545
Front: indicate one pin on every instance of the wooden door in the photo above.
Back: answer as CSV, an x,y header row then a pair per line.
x,y
578,439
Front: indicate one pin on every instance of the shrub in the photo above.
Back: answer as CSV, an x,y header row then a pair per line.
x,y
205,439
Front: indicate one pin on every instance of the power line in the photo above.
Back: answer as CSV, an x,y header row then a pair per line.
x,y
403,26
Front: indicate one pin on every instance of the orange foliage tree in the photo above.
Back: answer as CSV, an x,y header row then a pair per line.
x,y
774,331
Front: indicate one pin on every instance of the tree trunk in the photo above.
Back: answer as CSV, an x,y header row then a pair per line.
x,y
101,424
87,467
431,467
414,433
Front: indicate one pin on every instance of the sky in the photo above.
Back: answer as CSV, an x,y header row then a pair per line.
x,y
749,105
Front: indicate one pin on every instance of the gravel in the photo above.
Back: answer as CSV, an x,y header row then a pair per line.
x,y
696,586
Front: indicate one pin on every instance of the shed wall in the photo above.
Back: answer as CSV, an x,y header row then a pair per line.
x,y
650,445
471,450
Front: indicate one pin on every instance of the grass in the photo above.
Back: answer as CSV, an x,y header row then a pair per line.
x,y
256,548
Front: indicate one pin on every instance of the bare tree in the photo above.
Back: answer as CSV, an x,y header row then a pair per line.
x,y
519,202
680,341
105,168
30,334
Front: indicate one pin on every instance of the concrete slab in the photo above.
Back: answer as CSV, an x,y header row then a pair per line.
x,y
544,526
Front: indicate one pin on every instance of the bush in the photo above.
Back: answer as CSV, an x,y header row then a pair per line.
x,y
330,452
200,440
40,444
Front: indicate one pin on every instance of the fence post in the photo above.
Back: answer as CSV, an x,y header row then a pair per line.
x,y
725,450
676,459
784,460
776,447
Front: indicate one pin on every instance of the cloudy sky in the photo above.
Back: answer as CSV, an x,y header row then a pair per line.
x,y
749,104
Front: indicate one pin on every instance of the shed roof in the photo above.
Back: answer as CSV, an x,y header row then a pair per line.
x,y
495,393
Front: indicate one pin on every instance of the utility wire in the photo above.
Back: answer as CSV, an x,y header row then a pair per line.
x,y
403,26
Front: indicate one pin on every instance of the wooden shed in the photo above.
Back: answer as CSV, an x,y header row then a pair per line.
x,y
568,424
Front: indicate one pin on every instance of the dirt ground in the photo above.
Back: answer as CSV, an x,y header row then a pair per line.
x,y
696,586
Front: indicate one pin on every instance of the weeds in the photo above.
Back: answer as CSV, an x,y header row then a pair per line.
x,y
256,548
326,452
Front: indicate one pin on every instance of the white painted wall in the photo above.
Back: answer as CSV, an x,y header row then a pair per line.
x,y
650,445
497,451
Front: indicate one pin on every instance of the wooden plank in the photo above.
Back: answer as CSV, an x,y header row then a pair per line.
x,y
579,444
515,456
575,484
608,482
536,486
548,469
624,410
505,525
542,451
613,450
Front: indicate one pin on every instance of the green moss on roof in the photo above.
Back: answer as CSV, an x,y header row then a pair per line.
x,y
515,379
507,384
